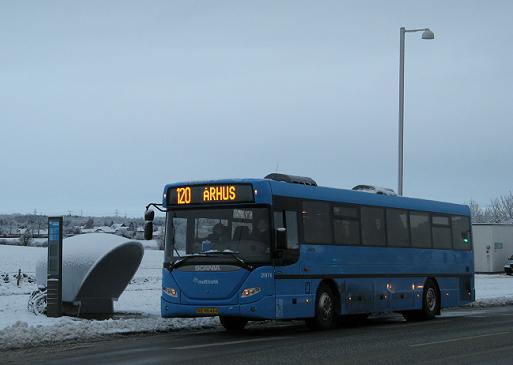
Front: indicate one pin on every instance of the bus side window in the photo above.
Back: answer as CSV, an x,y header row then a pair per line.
x,y
316,222
278,220
290,223
373,226
292,234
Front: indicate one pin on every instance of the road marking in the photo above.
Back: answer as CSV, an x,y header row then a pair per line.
x,y
79,347
459,339
416,324
228,343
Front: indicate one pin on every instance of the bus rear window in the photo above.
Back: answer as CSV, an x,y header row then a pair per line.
x,y
461,233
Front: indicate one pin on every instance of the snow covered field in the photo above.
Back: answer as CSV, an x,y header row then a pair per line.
x,y
138,307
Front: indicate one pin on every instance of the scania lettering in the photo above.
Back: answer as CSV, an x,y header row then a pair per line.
x,y
284,248
207,268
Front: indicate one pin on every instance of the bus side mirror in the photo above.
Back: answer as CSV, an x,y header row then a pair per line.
x,y
148,231
281,238
149,215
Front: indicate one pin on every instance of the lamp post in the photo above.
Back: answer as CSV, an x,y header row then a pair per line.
x,y
426,34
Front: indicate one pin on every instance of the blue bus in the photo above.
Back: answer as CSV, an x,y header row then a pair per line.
x,y
283,248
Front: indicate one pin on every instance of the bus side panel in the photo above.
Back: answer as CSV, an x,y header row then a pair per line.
x,y
392,279
295,298
357,296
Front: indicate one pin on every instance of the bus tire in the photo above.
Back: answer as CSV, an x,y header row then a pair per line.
x,y
325,311
430,304
233,323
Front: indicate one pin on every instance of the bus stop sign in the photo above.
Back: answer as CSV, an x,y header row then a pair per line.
x,y
54,282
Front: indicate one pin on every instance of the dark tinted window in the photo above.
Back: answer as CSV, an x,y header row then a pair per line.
x,y
441,220
278,220
373,226
441,232
316,222
347,231
442,237
397,228
461,233
347,212
292,235
346,225
420,229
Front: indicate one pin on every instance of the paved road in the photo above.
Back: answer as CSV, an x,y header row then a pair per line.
x,y
477,336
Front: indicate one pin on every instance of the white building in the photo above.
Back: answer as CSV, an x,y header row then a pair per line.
x,y
493,245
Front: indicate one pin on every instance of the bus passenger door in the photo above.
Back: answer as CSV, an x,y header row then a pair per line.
x,y
289,289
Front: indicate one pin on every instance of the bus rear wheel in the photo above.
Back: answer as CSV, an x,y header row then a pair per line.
x,y
325,310
430,304
233,323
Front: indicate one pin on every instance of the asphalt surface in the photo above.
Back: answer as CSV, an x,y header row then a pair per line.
x,y
470,336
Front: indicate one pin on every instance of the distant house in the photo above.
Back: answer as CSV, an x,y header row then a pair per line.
x,y
139,233
493,245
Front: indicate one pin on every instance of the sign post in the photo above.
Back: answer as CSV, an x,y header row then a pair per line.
x,y
54,279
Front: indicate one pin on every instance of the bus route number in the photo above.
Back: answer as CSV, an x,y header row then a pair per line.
x,y
184,195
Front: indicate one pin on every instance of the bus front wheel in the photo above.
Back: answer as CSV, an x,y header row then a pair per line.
x,y
233,323
325,311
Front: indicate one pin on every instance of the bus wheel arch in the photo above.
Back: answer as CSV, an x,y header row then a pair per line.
x,y
430,289
327,305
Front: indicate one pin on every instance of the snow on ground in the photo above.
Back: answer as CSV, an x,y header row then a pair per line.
x,y
138,308
496,289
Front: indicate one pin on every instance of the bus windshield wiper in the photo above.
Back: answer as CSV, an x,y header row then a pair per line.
x,y
234,254
209,253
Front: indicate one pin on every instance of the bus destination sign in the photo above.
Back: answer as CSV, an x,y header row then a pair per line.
x,y
210,194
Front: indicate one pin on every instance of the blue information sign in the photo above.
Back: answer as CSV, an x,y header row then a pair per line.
x,y
54,279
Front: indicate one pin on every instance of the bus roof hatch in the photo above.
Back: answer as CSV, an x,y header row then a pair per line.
x,y
303,180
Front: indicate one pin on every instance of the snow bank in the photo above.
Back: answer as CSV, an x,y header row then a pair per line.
x,y
493,290
21,334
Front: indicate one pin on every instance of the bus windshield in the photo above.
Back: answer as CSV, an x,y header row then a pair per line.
x,y
242,231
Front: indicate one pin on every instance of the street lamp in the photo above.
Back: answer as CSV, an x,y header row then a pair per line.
x,y
426,34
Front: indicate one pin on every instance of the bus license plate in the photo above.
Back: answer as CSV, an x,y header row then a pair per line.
x,y
208,310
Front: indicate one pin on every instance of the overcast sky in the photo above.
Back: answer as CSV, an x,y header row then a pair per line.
x,y
104,102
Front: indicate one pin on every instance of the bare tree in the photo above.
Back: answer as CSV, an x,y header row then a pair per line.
x,y
26,237
500,209
506,206
478,214
89,224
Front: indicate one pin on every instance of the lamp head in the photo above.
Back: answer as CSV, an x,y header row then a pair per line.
x,y
428,34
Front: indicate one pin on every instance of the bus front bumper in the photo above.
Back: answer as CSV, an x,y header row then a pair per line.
x,y
264,308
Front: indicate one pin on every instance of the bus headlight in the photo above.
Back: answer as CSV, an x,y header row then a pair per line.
x,y
249,292
171,292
